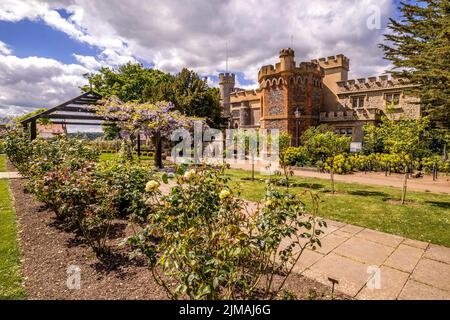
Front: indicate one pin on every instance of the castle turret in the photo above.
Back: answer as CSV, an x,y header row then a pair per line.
x,y
226,86
287,62
335,69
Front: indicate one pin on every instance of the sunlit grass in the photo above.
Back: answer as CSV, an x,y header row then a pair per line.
x,y
425,217
2,163
10,277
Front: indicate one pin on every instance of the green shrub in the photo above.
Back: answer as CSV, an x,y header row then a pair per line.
x,y
125,182
296,156
209,247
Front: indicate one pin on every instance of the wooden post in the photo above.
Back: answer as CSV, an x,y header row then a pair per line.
x,y
33,129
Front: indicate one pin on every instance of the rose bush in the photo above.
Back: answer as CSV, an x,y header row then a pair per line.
x,y
202,242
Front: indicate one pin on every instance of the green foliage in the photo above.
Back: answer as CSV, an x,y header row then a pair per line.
x,y
339,164
207,247
296,156
321,143
23,117
190,95
419,47
128,82
373,139
111,131
125,184
83,194
18,148
10,276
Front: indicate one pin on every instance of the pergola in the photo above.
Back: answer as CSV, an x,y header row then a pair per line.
x,y
81,110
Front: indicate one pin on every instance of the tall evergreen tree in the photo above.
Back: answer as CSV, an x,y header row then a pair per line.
x,y
419,47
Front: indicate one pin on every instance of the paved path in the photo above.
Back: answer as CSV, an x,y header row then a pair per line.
x,y
10,175
442,185
408,269
358,257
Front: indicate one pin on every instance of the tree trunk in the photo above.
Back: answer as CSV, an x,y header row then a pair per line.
x,y
332,179
253,168
158,151
405,182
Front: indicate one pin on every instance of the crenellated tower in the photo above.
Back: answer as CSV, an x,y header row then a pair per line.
x,y
226,87
291,95
335,69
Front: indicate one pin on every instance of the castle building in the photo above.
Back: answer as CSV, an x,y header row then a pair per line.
x,y
293,97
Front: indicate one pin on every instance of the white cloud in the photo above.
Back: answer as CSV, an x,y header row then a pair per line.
x,y
4,49
35,82
173,34
89,62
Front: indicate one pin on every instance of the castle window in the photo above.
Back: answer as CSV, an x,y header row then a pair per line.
x,y
358,102
392,99
344,131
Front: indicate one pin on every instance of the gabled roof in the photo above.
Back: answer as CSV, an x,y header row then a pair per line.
x,y
79,111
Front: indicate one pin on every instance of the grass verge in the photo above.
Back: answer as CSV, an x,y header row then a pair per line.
x,y
425,217
2,163
10,276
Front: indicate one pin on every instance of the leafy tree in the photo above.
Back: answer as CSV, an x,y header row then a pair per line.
x,y
190,95
111,131
25,116
373,139
324,145
128,82
408,139
154,120
419,47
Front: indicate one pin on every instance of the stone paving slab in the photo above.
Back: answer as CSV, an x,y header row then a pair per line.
x,y
390,285
10,175
330,242
307,259
416,243
405,258
433,273
365,251
380,237
438,253
414,290
408,269
352,275
351,229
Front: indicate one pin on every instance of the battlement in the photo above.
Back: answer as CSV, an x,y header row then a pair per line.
x,y
372,83
247,94
338,116
333,62
287,52
226,78
302,67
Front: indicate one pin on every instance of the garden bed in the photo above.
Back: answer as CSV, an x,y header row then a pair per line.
x,y
48,250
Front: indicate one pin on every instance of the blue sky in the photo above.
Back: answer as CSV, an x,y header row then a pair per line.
x,y
47,46
35,38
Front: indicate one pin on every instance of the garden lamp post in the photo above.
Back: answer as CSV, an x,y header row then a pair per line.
x,y
297,115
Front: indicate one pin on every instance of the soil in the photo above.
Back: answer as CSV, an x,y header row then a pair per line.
x,y
48,250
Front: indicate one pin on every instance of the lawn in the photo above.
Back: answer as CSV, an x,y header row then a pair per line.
x,y
10,278
2,163
426,217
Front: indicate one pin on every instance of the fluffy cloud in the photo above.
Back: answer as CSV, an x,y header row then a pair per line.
x,y
35,82
4,48
172,34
